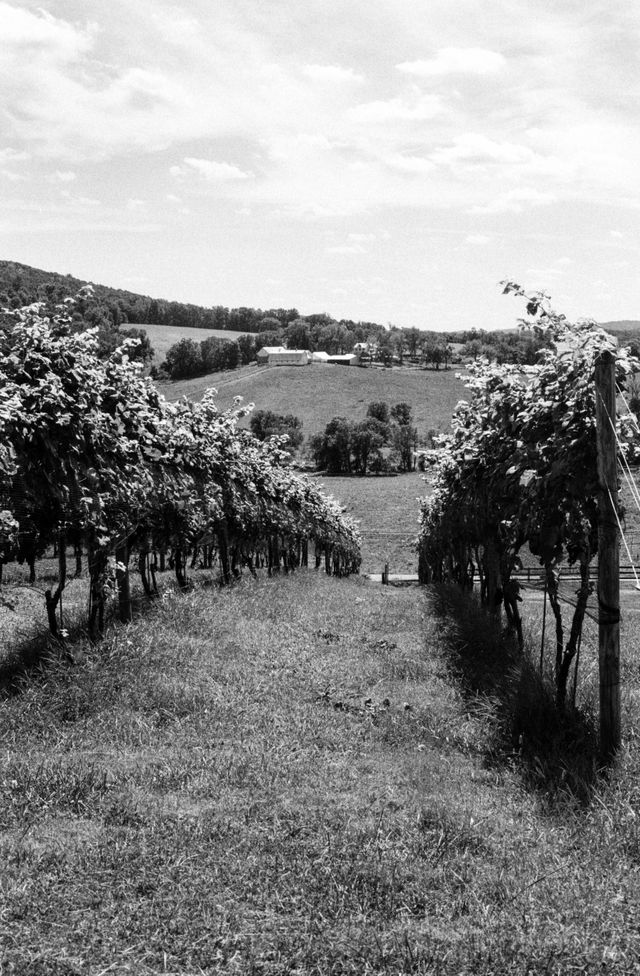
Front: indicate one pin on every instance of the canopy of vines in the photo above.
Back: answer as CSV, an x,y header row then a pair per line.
x,y
91,454
519,469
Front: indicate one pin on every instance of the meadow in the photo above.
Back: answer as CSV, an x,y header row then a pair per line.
x,y
162,337
317,393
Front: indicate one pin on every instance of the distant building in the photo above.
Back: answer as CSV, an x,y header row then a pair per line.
x,y
320,357
279,356
350,359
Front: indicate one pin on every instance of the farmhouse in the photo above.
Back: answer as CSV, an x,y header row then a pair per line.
x,y
279,356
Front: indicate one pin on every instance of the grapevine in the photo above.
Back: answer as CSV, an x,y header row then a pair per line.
x,y
91,455
519,469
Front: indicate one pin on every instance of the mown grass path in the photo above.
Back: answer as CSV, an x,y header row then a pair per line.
x,y
284,777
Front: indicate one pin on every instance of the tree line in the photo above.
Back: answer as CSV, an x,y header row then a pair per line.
x,y
358,447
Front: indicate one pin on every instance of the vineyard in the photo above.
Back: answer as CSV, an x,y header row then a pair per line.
x,y
519,471
93,458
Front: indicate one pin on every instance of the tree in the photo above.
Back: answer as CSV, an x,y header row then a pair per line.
x,y
332,449
265,424
379,410
297,335
246,348
367,438
184,359
401,413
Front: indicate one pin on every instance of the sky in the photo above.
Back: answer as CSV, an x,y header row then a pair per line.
x,y
387,160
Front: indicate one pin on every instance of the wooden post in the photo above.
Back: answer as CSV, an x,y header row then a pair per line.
x,y
608,556
385,574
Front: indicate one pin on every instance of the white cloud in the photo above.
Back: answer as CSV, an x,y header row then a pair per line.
x,y
413,108
515,201
12,156
63,176
211,170
456,60
346,249
409,164
551,272
32,33
479,239
473,147
331,73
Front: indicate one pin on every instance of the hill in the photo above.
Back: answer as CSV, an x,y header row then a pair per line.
x,y
162,337
317,393
622,326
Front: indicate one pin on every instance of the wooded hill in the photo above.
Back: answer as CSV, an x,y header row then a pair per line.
x,y
113,308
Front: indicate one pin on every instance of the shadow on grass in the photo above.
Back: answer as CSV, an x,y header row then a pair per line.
x,y
33,657
556,751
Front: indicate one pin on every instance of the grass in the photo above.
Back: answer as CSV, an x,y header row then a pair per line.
x,y
388,510
162,337
317,393
291,776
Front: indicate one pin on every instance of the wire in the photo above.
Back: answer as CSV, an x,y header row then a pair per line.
x,y
623,537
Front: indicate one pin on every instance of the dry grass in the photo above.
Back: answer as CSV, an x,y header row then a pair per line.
x,y
286,777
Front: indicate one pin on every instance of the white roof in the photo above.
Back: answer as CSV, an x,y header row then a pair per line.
x,y
271,349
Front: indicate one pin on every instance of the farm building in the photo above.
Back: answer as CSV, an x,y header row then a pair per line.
x,y
319,357
279,356
263,355
350,359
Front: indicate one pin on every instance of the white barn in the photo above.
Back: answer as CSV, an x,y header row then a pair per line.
x,y
279,356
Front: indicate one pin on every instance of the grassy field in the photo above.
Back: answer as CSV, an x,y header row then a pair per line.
x,y
303,775
164,336
388,511
315,394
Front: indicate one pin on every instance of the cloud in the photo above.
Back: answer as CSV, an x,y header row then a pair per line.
x,y
212,171
331,73
63,176
515,201
12,156
456,60
412,108
473,147
32,34
479,239
347,249
417,165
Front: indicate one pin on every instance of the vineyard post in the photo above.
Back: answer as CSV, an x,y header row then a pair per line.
x,y
608,556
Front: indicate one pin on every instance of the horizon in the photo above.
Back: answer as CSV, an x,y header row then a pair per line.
x,y
382,164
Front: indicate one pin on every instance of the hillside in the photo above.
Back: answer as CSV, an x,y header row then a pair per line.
x,y
315,394
162,337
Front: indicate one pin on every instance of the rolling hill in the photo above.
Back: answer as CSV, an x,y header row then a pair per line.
x,y
317,393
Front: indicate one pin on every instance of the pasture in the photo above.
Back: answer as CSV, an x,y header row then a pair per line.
x,y
162,337
387,509
317,393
